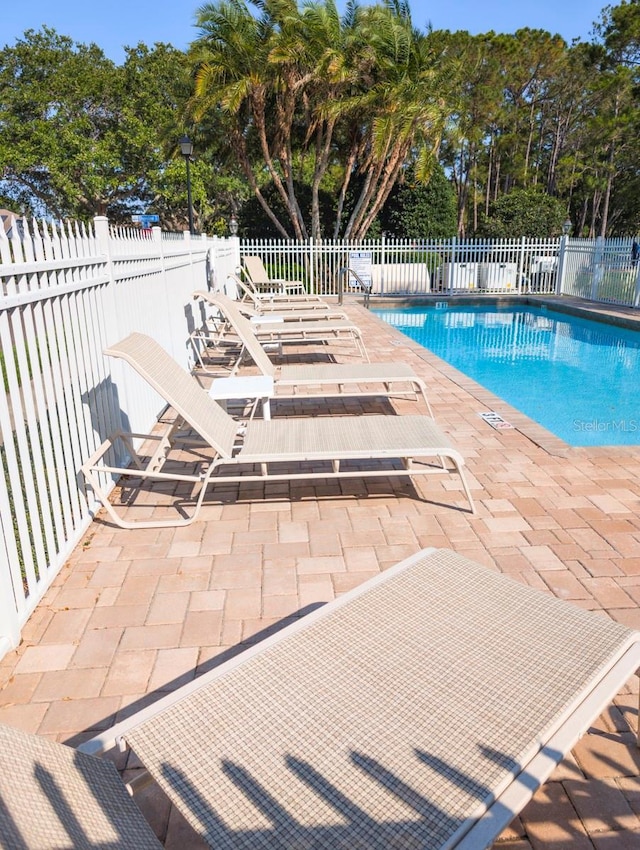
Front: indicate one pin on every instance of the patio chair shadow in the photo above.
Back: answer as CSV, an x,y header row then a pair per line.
x,y
270,492
103,404
134,492
337,406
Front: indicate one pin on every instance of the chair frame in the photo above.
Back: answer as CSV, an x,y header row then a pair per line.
x,y
321,444
245,290
262,282
276,329
288,380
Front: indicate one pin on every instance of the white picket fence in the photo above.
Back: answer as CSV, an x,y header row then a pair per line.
x,y
66,292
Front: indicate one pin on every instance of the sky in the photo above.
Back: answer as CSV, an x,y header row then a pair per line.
x,y
114,24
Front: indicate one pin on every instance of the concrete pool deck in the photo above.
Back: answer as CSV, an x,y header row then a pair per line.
x,y
134,614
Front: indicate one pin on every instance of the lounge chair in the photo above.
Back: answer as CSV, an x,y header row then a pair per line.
x,y
280,329
260,315
277,450
255,271
289,310
244,290
333,380
420,710
53,797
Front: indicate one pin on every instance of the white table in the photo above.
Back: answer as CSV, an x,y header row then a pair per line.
x,y
244,387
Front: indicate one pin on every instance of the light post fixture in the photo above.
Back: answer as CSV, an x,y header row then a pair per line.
x,y
566,226
186,148
233,225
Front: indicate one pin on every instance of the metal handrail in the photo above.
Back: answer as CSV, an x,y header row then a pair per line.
x,y
365,287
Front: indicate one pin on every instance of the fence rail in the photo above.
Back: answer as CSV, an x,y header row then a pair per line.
x,y
69,290
410,267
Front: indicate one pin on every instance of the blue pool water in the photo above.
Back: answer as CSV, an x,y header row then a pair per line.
x,y
578,378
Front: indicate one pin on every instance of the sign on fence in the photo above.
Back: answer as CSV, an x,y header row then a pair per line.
x,y
360,263
146,219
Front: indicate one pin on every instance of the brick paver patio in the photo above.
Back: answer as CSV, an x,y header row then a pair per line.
x,y
135,614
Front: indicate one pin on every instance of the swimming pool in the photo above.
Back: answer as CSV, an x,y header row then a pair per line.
x,y
578,378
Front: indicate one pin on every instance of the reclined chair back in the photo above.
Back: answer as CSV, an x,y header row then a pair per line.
x,y
179,389
53,797
242,326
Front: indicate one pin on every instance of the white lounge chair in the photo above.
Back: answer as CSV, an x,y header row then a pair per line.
x,y
279,329
292,449
420,710
255,271
287,309
53,797
244,290
332,380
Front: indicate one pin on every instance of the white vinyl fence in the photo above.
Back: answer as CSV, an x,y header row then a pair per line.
x,y
602,270
410,267
66,292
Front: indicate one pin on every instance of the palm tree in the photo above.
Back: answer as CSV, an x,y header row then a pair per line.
x,y
306,92
405,89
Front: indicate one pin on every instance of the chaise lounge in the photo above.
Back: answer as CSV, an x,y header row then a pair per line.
x,y
53,797
293,327
292,449
243,290
255,271
331,380
420,710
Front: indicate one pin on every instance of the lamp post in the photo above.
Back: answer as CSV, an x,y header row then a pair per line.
x,y
233,225
186,147
566,226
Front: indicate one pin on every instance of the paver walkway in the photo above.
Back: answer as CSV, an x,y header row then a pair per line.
x,y
135,614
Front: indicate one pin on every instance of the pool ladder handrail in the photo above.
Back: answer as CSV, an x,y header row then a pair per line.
x,y
365,287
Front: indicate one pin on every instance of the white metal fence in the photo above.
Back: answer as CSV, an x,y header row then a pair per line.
x,y
66,292
602,270
598,269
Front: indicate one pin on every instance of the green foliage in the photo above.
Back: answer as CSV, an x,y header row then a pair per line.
x,y
416,210
619,29
305,93
524,212
320,114
625,218
82,136
254,223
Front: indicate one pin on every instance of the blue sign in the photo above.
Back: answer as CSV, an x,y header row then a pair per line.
x,y
146,219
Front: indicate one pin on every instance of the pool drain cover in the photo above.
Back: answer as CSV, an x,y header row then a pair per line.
x,y
495,420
